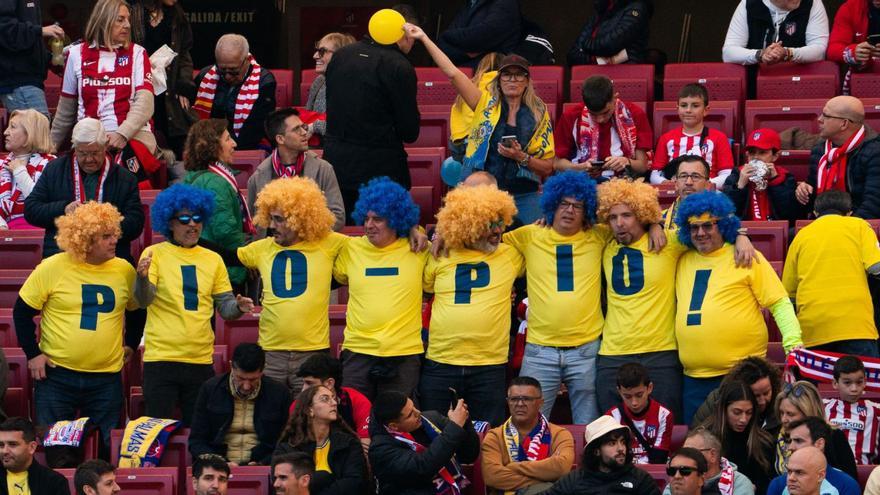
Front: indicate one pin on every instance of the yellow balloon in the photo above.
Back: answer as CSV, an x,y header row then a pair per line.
x,y
386,26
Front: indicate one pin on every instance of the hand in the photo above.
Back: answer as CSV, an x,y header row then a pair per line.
x,y
863,52
116,141
438,247
744,173
774,53
184,102
656,238
16,163
418,241
53,31
245,304
459,415
803,192
127,353
513,152
744,252
771,171
542,222
414,32
232,464
143,268
616,163
73,205
37,366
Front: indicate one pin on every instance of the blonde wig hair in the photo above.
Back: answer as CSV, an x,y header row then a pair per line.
x,y
640,197
337,39
36,126
80,230
300,200
100,26
468,212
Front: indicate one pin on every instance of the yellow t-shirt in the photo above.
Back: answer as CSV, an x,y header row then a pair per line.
x,y
179,319
321,455
384,313
296,291
718,320
470,318
564,276
641,297
83,311
17,483
825,271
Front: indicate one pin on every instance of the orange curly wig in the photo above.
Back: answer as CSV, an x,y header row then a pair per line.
x,y
301,201
640,197
469,210
78,231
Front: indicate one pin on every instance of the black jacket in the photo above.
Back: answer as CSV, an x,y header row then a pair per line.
x,y
55,190
41,481
488,26
623,25
862,175
214,410
371,112
762,30
399,470
25,57
630,479
252,131
783,204
347,465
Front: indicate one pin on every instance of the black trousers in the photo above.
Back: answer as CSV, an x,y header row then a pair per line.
x,y
169,384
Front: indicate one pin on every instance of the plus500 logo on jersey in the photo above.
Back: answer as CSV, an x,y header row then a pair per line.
x,y
110,81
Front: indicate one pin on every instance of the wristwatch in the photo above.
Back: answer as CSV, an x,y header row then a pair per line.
x,y
525,161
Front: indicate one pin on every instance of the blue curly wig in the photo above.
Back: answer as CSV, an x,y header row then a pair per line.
x,y
180,197
389,200
714,203
569,184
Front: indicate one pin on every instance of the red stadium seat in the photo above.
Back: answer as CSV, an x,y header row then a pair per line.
x,y
434,129
246,162
19,376
233,332
724,116
577,431
783,113
10,283
657,472
435,93
724,81
243,480
424,170
666,194
283,87
634,82
7,329
21,249
136,403
864,471
777,267
148,197
337,328
679,434
149,481
436,74
52,88
15,402
770,238
175,457
424,197
775,353
797,162
872,112
307,78
866,84
816,80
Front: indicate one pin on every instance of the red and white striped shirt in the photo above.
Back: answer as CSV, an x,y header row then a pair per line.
x,y
655,425
675,143
105,81
860,421
15,188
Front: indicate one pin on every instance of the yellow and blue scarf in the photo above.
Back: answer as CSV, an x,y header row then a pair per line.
x,y
144,441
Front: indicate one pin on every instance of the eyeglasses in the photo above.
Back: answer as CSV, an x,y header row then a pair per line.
x,y
88,154
513,76
225,71
321,51
185,219
797,390
497,224
564,205
694,177
301,129
705,227
684,470
522,399
826,116
327,399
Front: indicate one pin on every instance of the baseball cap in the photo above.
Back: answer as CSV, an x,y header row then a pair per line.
x,y
764,139
514,60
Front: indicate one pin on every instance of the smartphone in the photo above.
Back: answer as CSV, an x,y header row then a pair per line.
x,y
507,141
597,163
453,402
874,39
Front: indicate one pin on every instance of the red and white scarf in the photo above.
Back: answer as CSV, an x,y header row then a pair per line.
x,y
247,222
79,188
832,165
244,101
818,366
11,196
534,447
449,480
281,170
760,203
725,483
587,135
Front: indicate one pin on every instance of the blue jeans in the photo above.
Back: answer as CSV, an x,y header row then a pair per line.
x,y
24,97
95,395
857,347
574,366
694,393
482,388
528,206
665,372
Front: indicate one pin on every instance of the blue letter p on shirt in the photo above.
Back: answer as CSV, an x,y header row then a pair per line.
x,y
95,299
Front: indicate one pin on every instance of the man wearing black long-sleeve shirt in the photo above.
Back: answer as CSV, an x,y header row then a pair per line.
x,y
480,27
371,112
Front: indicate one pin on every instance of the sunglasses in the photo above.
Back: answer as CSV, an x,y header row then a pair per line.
x,y
497,224
684,470
796,391
321,51
185,219
705,227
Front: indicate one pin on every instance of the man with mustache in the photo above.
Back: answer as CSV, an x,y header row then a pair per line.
x,y
21,471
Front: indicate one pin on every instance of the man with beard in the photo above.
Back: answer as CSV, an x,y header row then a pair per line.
x,y
292,473
21,473
607,466
210,475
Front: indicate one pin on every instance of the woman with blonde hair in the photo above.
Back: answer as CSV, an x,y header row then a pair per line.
x,y
511,135
109,78
800,400
27,140
461,116
317,100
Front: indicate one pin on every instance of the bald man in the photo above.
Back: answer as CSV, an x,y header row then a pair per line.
x,y
847,159
806,472
227,88
479,178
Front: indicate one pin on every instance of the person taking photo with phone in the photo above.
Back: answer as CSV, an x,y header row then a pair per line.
x,y
855,39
